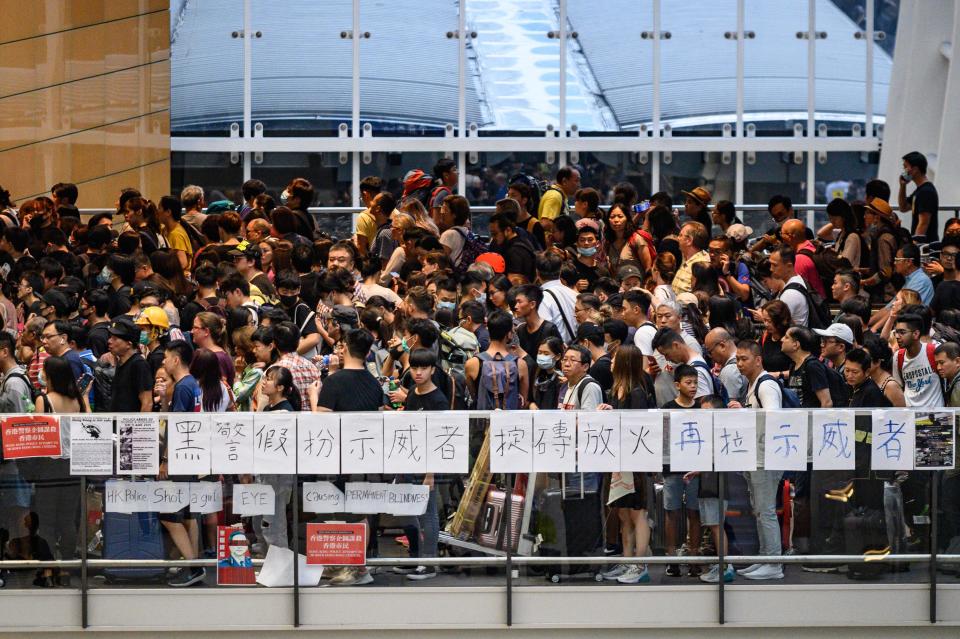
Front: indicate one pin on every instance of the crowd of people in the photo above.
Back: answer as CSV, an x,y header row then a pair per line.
x,y
181,305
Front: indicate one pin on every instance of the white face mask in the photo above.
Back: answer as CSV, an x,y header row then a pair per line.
x,y
906,176
284,197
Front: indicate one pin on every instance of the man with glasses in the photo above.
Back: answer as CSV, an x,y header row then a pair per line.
x,y
722,349
734,273
915,366
694,239
907,265
56,341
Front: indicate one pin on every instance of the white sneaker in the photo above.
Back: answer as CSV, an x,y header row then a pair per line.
x,y
615,572
423,572
634,575
766,571
403,570
749,569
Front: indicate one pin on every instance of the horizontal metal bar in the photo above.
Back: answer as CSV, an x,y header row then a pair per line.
x,y
540,144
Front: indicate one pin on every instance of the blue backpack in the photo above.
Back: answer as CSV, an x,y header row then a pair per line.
x,y
498,385
790,399
718,388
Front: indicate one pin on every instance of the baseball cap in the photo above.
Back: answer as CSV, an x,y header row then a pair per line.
x,y
840,331
495,260
629,270
124,328
739,232
245,249
587,330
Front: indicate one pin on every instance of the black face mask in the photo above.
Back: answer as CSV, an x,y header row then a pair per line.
x,y
289,300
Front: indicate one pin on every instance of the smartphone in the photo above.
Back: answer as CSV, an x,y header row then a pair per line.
x,y
84,381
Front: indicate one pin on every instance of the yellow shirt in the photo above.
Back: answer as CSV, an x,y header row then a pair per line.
x,y
683,280
178,239
552,204
367,226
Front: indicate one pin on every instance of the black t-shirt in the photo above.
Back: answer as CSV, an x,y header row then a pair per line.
x,y
925,200
947,295
590,273
120,301
672,404
530,342
155,358
434,400
283,404
308,289
807,379
351,390
600,371
773,358
97,338
868,395
520,257
132,378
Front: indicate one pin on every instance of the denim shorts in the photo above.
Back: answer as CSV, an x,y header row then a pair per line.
x,y
676,493
710,511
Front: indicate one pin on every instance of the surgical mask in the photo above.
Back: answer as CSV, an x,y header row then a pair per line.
x,y
446,305
404,345
545,362
609,346
482,298
42,379
906,176
587,251
105,276
144,337
284,197
288,300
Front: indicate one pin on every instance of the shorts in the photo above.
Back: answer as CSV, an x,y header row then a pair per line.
x,y
676,493
637,500
709,508
177,517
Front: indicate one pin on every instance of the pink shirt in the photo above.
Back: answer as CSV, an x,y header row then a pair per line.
x,y
807,269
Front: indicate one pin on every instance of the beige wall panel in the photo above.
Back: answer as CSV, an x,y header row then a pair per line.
x,y
39,17
33,64
153,180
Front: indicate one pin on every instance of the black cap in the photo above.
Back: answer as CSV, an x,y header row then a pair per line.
x,y
124,328
588,330
245,249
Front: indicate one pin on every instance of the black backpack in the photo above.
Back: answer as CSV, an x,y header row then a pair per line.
x,y
818,310
827,263
537,189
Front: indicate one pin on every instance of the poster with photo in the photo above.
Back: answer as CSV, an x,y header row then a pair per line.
x,y
138,444
91,444
936,437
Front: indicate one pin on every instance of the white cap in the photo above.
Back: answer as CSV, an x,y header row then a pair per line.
x,y
841,331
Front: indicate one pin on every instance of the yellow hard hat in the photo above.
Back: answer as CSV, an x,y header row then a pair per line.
x,y
154,316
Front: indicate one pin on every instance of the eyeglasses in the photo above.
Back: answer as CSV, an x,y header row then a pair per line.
x,y
902,331
902,259
952,255
49,335
571,360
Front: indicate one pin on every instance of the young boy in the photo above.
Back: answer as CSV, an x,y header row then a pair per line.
x,y
426,396
685,381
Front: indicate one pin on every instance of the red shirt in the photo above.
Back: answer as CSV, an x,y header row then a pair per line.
x,y
807,269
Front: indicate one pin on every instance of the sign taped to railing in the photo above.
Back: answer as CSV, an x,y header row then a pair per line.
x,y
936,435
641,441
448,443
121,496
598,441
511,442
206,497
91,444
318,444
274,442
322,497
893,440
405,442
734,441
361,450
138,444
31,436
554,441
253,499
188,444
231,436
691,441
785,440
834,438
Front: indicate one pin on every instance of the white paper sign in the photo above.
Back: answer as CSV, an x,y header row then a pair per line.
x,y
206,497
146,496
734,440
91,444
253,499
322,497
598,441
785,440
277,570
894,437
554,441
188,444
407,499
138,444
833,440
641,441
448,443
274,442
405,442
511,439
366,497
232,443
318,443
691,441
361,450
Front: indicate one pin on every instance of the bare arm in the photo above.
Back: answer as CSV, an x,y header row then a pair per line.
x,y
146,401
894,393
923,221
824,396
308,343
902,197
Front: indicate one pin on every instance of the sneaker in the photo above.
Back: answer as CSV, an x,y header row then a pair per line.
x,y
403,570
694,570
615,572
713,576
821,568
673,570
766,571
187,577
749,569
634,575
352,577
612,549
422,573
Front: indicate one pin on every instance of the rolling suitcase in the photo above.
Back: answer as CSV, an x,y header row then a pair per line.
x,y
865,533
570,524
490,521
133,536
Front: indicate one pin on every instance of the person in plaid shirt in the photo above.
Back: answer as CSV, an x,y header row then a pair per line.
x,y
286,337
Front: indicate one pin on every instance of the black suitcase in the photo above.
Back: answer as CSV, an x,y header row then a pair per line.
x,y
570,523
865,533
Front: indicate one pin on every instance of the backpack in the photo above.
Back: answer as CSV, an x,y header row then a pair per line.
x,y
818,310
498,385
902,354
839,391
565,206
103,375
586,381
34,393
526,230
827,263
197,240
456,346
537,189
473,247
943,333
718,388
651,249
789,398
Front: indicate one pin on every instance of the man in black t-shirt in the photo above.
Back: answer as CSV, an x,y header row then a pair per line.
x,y
132,390
591,336
352,388
923,202
808,375
535,330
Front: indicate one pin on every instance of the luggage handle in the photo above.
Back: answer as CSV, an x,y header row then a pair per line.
x,y
563,486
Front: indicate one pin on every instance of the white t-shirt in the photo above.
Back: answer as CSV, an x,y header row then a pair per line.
x,y
591,398
663,384
796,302
454,239
704,378
643,338
558,303
921,384
771,398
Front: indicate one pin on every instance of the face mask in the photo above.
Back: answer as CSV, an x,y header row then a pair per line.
x,y
545,362
288,300
482,298
587,251
42,379
905,175
284,197
404,345
105,276
609,346
446,305
144,337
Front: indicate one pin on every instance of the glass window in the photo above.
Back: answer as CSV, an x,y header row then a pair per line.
x,y
220,178
775,61
772,174
840,62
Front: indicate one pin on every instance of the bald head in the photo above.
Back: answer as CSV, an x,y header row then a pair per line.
x,y
794,232
719,344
